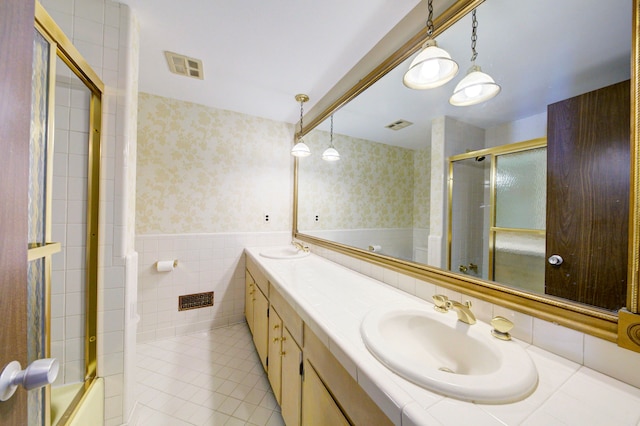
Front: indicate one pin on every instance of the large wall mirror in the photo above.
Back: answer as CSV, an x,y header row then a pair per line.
x,y
481,197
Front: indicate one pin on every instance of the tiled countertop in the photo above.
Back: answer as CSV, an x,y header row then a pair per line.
x,y
333,300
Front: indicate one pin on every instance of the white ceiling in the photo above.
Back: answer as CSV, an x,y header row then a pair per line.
x,y
258,54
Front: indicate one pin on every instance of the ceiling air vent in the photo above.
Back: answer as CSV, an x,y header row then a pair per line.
x,y
183,65
397,125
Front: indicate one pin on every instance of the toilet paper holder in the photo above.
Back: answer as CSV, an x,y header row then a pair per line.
x,y
166,265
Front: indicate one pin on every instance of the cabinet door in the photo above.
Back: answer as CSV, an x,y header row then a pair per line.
x,y
261,326
291,380
249,291
318,406
275,349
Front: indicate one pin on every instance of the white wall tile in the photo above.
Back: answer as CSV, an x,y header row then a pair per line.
x,y
610,359
559,340
90,9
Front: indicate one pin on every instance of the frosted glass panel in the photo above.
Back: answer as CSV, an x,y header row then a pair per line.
x,y
36,272
38,141
519,260
521,189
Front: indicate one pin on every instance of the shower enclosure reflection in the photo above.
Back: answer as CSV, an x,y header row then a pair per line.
x,y
497,214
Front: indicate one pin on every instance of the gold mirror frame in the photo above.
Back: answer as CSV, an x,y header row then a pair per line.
x,y
622,328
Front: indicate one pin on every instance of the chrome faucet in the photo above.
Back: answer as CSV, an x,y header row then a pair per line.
x,y
443,304
300,246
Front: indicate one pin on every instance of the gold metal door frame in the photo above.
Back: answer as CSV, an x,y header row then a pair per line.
x,y
63,48
494,152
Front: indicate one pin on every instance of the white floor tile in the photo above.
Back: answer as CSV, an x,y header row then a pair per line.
x,y
206,379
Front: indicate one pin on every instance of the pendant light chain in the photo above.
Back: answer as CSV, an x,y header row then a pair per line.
x,y
430,19
301,109
331,134
474,35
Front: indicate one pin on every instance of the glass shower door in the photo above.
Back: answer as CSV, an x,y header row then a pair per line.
x,y
64,187
518,231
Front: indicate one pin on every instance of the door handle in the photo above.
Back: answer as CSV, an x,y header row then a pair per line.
x,y
555,260
40,372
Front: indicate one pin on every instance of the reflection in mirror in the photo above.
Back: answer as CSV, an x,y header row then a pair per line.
x,y
389,193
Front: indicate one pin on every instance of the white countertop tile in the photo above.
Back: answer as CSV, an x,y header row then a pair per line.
x,y
333,300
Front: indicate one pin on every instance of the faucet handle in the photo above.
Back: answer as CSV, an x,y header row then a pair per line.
x,y
501,327
299,246
441,302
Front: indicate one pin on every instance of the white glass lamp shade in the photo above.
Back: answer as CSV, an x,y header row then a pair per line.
x,y
300,149
330,154
432,67
474,88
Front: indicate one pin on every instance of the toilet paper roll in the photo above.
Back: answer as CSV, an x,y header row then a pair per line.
x,y
165,265
375,248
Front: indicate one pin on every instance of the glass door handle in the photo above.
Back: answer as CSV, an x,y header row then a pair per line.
x,y
555,260
39,373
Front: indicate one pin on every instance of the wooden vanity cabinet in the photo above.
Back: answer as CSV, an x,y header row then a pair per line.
x,y
261,326
284,369
257,310
284,365
291,380
309,383
354,403
275,353
249,291
318,406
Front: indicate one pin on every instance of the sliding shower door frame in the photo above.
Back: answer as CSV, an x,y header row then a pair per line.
x,y
493,153
62,47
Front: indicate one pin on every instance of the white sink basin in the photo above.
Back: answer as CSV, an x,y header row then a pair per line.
x,y
437,352
285,252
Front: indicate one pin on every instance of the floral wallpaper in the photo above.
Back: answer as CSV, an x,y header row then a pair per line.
x,y
372,186
201,169
421,188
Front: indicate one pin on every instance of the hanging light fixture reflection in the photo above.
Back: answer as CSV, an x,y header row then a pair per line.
x,y
331,153
433,66
300,149
476,86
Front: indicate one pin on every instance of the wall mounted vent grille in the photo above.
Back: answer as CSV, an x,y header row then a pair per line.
x,y
183,65
397,125
195,301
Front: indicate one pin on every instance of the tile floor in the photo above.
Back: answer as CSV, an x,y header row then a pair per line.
x,y
210,378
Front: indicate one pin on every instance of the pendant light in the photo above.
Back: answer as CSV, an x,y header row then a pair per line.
x,y
476,86
433,66
331,153
300,149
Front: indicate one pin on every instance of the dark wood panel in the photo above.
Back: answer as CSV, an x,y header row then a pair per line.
x,y
16,47
588,160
